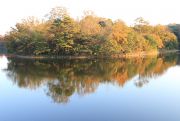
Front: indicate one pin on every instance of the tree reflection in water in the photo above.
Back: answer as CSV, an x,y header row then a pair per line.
x,y
66,77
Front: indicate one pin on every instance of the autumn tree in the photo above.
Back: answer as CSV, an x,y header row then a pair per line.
x,y
119,32
61,35
63,32
90,25
27,37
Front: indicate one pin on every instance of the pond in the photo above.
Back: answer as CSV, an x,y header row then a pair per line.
x,y
134,89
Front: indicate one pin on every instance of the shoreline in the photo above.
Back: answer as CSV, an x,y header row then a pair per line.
x,y
127,55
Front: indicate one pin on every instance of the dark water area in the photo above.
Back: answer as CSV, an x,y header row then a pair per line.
x,y
136,89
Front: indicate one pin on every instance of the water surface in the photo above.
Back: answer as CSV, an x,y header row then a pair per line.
x,y
136,89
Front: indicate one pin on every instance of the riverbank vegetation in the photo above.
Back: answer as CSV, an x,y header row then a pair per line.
x,y
61,35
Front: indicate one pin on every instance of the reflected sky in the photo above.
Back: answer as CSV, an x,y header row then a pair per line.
x,y
135,89
3,62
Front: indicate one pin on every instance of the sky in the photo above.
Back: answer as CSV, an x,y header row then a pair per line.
x,y
155,11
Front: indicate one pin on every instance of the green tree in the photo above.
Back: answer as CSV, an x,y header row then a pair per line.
x,y
63,32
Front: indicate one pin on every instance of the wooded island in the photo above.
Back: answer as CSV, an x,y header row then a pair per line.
x,y
61,35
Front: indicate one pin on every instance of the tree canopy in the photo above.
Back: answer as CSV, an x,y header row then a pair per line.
x,y
59,34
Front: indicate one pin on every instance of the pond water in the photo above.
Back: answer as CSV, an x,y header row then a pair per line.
x,y
136,89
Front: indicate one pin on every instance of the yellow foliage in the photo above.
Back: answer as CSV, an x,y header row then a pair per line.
x,y
89,25
119,32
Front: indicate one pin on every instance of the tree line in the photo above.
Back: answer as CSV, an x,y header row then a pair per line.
x,y
59,34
